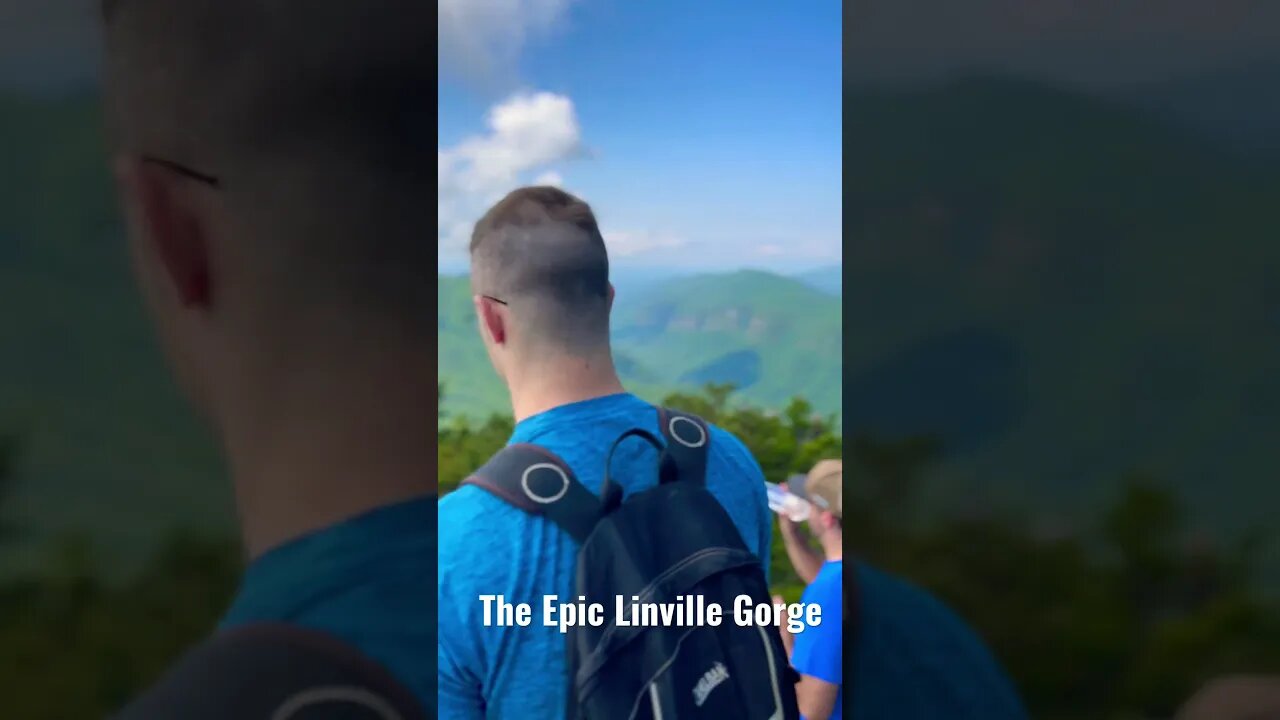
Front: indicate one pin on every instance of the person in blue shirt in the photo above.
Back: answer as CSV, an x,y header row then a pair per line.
x,y
911,658
816,652
275,216
540,277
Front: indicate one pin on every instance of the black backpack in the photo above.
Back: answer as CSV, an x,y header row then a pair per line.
x,y
665,544
275,672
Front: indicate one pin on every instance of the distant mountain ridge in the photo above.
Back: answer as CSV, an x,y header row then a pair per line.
x,y
828,279
750,328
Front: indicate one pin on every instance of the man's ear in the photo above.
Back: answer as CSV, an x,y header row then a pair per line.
x,y
828,520
169,227
492,319
611,295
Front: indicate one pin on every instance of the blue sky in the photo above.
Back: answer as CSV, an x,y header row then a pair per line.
x,y
705,134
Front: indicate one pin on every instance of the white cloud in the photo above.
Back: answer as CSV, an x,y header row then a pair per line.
x,y
526,133
632,243
480,38
769,250
551,177
525,137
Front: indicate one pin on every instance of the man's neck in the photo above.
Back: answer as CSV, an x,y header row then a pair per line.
x,y
833,547
320,449
561,381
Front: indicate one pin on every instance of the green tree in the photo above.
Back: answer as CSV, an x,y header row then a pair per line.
x,y
1118,621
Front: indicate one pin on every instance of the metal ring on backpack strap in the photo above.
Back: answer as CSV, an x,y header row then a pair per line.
x,y
702,433
357,696
507,475
544,499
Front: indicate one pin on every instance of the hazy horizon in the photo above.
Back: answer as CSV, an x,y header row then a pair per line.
x,y
457,268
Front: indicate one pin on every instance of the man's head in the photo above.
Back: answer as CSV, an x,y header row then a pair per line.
x,y
823,487
540,278
273,164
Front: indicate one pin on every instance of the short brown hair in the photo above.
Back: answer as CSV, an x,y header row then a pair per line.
x,y
312,114
541,247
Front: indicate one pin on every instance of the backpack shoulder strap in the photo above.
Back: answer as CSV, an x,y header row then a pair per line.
x,y
688,439
540,483
275,672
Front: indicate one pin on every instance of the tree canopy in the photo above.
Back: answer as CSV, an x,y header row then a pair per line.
x,y
1125,618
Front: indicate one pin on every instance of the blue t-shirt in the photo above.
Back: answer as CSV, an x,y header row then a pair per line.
x,y
489,547
914,659
366,581
817,649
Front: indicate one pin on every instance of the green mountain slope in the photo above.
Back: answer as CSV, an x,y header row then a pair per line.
x,y
471,386
771,336
827,279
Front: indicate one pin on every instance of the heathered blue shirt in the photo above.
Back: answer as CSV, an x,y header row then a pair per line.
x,y
490,547
914,659
817,649
366,581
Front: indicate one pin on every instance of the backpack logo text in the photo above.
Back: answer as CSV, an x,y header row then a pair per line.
x,y
713,677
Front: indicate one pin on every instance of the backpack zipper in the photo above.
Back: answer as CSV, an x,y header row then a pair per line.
x,y
773,675
653,697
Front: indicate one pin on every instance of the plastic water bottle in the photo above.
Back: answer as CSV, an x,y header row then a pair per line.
x,y
784,503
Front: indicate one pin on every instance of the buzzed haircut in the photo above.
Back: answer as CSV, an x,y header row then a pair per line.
x,y
540,250
314,115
